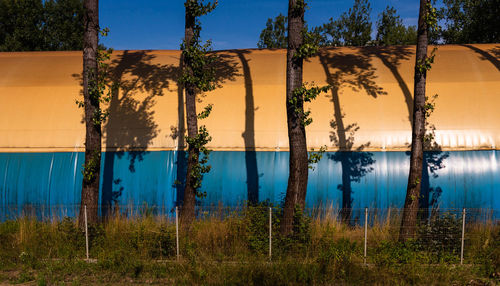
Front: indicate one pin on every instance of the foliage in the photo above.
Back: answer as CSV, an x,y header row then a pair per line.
x,y
337,254
487,253
310,45
274,36
431,18
470,21
99,92
429,137
315,157
97,86
430,105
441,236
425,64
391,31
257,226
36,25
299,7
199,73
20,27
301,233
200,70
390,253
91,166
141,250
206,112
304,94
257,222
197,8
353,28
63,27
198,143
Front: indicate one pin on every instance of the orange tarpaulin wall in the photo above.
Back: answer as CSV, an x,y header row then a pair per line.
x,y
369,106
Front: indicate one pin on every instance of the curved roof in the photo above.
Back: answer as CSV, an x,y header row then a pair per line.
x,y
368,109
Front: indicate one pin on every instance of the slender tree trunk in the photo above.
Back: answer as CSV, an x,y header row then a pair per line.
x,y
90,184
181,145
187,210
297,180
409,220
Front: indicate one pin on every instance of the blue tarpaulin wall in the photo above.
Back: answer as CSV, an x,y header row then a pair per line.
x,y
452,179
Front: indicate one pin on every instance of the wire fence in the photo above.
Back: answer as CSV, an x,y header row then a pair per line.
x,y
439,231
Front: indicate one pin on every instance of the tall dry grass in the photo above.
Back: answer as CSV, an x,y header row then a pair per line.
x,y
135,241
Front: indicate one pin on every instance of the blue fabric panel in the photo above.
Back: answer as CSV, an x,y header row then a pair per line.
x,y
356,179
132,178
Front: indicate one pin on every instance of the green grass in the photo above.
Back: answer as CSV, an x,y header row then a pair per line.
x,y
233,251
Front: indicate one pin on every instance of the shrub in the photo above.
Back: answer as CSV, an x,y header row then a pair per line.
x,y
165,240
336,256
256,222
71,239
300,239
487,257
389,253
442,237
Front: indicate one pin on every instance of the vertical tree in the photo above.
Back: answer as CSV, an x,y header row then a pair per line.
x,y
301,45
36,25
274,35
426,18
353,28
20,23
391,31
91,101
297,179
63,24
198,75
471,21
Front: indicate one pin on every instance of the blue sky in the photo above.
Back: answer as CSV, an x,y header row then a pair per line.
x,y
234,24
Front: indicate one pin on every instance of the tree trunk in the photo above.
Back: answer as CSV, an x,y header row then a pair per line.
x,y
181,140
409,220
90,184
188,205
297,180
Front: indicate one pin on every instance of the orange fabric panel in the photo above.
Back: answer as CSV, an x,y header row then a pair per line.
x,y
368,108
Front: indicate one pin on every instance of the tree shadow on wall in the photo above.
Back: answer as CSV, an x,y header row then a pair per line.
x,y
356,72
496,52
392,57
492,55
130,126
248,135
434,158
226,68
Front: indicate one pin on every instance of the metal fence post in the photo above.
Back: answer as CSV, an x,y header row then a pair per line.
x,y
270,232
463,237
177,231
366,232
86,232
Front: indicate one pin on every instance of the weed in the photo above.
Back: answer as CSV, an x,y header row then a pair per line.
x,y
232,249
